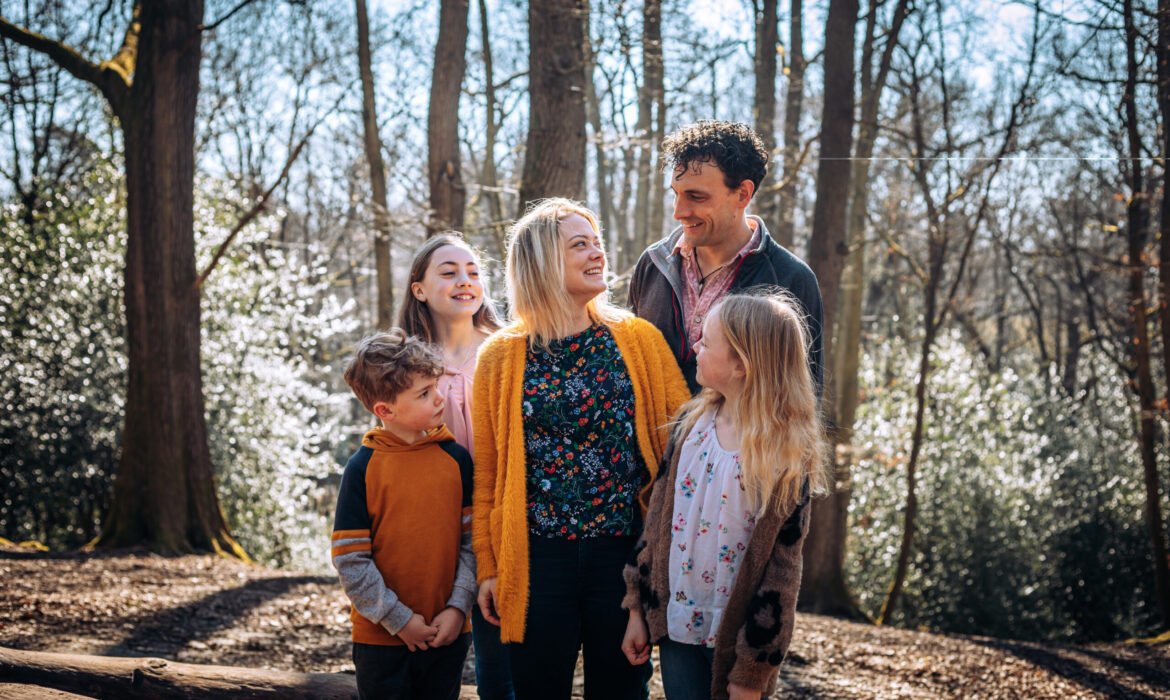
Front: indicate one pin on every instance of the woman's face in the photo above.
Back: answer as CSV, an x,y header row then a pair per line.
x,y
584,259
450,286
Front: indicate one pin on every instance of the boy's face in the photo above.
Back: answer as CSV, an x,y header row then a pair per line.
x,y
417,408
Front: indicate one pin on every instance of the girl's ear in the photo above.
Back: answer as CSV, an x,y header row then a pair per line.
x,y
416,290
738,369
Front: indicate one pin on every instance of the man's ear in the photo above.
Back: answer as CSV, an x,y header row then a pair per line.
x,y
744,192
383,410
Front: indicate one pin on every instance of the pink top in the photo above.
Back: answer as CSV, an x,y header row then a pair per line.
x,y
455,386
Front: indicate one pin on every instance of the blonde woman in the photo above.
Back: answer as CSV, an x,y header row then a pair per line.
x,y
570,413
717,573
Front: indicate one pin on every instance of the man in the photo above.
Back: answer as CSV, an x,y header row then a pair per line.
x,y
716,169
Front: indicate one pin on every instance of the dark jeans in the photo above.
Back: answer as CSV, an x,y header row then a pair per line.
x,y
574,601
395,672
493,675
686,670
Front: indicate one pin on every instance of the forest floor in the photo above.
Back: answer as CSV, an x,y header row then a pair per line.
x,y
215,611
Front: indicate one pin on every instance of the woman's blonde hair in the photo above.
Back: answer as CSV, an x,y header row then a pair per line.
x,y
536,274
414,316
781,435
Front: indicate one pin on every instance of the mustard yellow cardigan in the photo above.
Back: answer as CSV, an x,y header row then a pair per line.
x,y
499,511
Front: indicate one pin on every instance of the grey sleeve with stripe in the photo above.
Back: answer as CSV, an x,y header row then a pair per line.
x,y
367,590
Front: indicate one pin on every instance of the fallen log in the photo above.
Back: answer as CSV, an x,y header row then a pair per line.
x,y
117,677
10,691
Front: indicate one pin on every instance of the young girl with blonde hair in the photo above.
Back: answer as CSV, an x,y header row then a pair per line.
x,y
571,413
718,567
446,304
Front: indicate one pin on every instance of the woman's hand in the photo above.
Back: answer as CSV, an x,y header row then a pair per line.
x,y
487,601
738,692
636,642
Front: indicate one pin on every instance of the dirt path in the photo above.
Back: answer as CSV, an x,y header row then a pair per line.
x,y
209,610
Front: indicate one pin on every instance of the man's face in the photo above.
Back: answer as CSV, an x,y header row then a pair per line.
x,y
707,208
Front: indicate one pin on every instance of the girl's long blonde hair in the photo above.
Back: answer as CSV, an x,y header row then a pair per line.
x,y
781,435
536,274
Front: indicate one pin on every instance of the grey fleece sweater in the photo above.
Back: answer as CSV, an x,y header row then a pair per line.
x,y
756,629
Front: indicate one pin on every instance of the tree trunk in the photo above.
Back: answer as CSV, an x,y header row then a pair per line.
x,y
830,592
444,169
764,105
164,494
650,212
601,172
910,515
644,130
114,678
793,108
657,185
1164,209
824,550
489,179
1139,348
554,158
373,141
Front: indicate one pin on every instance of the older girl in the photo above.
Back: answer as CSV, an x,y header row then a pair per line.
x,y
570,412
445,304
717,573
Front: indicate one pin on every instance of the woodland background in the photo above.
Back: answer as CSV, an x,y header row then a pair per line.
x,y
204,204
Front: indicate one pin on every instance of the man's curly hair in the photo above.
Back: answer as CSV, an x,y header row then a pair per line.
x,y
731,146
385,364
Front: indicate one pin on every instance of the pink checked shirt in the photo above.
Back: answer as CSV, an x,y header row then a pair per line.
x,y
697,300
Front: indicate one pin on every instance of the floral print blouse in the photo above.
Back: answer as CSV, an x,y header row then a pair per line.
x,y
711,527
584,466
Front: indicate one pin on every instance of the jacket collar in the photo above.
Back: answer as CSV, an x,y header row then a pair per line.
x,y
668,262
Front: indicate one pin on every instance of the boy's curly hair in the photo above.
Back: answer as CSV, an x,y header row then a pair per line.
x,y
731,146
385,364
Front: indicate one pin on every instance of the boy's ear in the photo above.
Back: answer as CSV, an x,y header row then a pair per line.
x,y
383,410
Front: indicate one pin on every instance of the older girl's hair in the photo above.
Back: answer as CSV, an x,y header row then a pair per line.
x,y
536,274
782,445
415,317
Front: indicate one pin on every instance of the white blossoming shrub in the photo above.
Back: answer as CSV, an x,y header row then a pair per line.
x,y
1030,503
274,416
62,360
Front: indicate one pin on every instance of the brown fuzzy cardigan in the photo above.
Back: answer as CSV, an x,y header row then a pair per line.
x,y
756,629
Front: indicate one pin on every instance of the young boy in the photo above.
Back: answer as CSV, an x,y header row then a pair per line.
x,y
402,534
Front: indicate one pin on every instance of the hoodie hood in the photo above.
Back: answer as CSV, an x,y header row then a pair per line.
x,y
383,440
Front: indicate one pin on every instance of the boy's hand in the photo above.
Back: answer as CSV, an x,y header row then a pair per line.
x,y
636,643
487,601
450,624
417,634
738,692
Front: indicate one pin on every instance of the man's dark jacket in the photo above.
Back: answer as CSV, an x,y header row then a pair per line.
x,y
656,291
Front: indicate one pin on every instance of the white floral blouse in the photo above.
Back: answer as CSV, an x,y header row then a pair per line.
x,y
709,533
